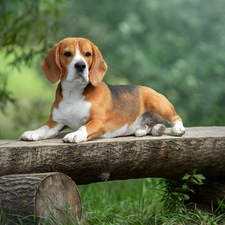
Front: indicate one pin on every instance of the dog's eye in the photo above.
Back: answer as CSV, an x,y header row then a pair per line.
x,y
88,54
67,54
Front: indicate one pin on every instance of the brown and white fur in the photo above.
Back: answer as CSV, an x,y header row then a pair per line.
x,y
94,109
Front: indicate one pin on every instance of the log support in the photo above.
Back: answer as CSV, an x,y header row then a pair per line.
x,y
50,195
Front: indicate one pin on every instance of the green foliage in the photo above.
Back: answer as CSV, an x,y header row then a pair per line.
x,y
24,37
176,193
221,203
3,218
5,94
175,47
25,27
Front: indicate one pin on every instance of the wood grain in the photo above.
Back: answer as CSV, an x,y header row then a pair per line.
x,y
52,195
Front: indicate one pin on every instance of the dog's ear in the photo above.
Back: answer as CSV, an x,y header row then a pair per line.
x,y
98,67
51,65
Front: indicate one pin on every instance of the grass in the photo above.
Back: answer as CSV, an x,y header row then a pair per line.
x,y
120,201
129,202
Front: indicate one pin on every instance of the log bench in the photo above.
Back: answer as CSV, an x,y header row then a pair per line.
x,y
56,165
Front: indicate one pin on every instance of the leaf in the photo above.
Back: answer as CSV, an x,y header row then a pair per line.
x,y
186,177
186,197
185,186
194,171
221,204
199,177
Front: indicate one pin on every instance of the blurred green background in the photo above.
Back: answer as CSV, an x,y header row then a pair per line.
x,y
176,47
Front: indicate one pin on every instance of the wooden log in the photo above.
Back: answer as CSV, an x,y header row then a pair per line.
x,y
50,195
201,148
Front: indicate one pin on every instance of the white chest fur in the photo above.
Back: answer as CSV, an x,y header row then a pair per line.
x,y
72,111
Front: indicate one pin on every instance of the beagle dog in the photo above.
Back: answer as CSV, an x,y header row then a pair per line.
x,y
93,108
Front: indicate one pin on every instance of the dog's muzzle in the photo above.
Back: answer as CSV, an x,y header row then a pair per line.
x,y
80,66
81,72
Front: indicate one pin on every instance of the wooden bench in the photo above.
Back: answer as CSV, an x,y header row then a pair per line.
x,y
201,148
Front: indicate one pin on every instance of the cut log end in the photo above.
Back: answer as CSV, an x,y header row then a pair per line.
x,y
48,195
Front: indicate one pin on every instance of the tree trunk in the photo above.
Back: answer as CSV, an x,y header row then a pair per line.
x,y
52,195
201,148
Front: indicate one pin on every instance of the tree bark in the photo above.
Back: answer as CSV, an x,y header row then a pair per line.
x,y
201,148
49,195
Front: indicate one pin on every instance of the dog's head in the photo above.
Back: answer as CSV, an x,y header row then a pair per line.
x,y
76,59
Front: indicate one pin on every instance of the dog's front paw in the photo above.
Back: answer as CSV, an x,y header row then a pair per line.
x,y
78,136
30,136
35,135
177,129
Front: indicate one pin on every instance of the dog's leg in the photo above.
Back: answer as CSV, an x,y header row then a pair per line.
x,y
92,129
49,130
78,136
173,119
162,107
177,128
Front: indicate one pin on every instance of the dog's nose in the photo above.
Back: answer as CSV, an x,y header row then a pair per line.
x,y
80,66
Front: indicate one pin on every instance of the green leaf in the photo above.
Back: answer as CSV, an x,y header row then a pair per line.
x,y
186,176
200,177
185,186
186,197
221,204
194,171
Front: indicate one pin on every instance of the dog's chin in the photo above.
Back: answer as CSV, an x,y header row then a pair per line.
x,y
78,79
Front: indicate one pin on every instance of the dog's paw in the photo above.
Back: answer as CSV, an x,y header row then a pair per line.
x,y
35,135
78,136
30,136
142,131
158,130
177,129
